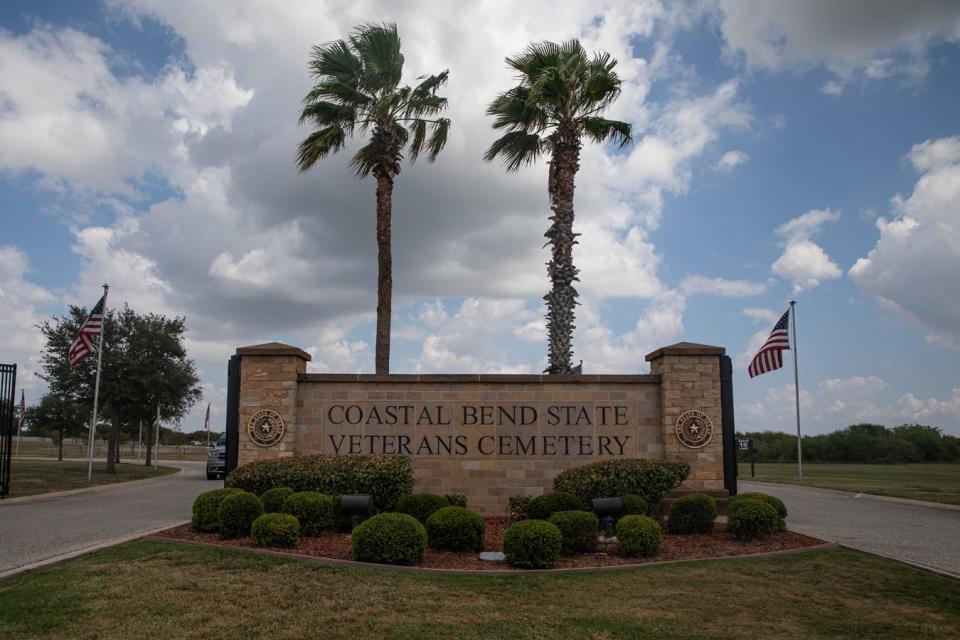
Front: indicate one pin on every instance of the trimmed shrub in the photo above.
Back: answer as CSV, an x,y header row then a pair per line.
x,y
635,505
532,544
542,507
773,501
273,499
750,518
518,508
313,510
389,538
638,536
237,513
455,529
648,478
693,513
457,499
382,477
421,505
206,510
579,530
275,530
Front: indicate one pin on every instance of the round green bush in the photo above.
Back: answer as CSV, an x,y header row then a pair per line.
x,y
237,513
638,536
693,513
389,538
313,510
750,518
542,507
275,530
635,505
455,529
421,505
532,544
773,501
273,499
579,530
206,510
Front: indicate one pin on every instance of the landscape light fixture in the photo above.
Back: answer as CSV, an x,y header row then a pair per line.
x,y
607,509
357,507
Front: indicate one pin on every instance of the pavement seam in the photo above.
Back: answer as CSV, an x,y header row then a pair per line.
x,y
860,496
77,553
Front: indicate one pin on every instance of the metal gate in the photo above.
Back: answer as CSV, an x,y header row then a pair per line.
x,y
8,384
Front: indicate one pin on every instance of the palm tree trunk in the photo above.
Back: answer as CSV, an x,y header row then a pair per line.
x,y
562,298
388,165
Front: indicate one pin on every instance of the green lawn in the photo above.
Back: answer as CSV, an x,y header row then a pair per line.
x,y
30,477
933,482
162,590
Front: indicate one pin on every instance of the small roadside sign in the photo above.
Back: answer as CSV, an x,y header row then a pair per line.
x,y
743,444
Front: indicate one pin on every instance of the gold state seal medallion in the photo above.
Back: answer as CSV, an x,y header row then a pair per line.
x,y
694,429
265,428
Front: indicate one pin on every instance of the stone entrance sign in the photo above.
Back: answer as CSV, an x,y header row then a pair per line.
x,y
488,436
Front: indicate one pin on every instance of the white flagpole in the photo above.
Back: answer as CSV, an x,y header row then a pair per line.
x,y
796,386
157,426
96,386
23,412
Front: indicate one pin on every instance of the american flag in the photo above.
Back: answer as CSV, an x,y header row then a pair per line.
x,y
770,356
206,421
82,344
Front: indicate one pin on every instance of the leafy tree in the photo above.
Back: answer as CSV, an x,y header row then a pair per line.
x,y
357,88
144,364
60,416
559,99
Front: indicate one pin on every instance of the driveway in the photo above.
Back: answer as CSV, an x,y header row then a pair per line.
x,y
924,535
44,529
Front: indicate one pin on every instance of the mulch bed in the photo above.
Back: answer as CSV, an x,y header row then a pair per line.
x,y
717,544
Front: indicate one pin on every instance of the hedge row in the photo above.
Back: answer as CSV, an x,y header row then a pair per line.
x,y
651,479
385,478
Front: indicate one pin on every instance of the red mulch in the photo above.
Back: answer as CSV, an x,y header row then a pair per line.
x,y
717,544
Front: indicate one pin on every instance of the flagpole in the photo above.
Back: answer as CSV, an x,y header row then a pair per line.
x,y
23,412
96,387
796,386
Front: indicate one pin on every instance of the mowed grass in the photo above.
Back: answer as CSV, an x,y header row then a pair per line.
x,y
162,590
932,482
31,477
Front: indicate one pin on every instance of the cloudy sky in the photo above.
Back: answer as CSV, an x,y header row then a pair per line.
x,y
782,150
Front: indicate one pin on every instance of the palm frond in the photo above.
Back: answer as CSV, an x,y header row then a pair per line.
x,y
601,130
364,161
320,144
438,138
378,45
515,149
335,59
513,110
323,113
419,135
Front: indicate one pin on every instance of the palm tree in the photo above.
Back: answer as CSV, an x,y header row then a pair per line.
x,y
559,99
356,88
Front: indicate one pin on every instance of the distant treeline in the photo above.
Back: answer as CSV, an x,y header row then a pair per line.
x,y
858,443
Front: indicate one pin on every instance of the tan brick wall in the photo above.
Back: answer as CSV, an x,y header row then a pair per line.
x,y
273,377
692,381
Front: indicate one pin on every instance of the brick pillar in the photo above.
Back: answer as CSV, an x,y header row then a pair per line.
x,y
268,380
690,380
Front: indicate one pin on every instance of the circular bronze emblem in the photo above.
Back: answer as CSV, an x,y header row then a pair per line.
x,y
265,428
694,429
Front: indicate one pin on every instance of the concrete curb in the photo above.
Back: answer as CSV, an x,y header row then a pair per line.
x,y
335,562
70,555
42,497
870,496
923,567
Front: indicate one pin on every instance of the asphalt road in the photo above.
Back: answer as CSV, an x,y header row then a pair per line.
x,y
45,528
927,536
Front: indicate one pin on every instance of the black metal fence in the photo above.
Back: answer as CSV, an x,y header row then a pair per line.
x,y
8,388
